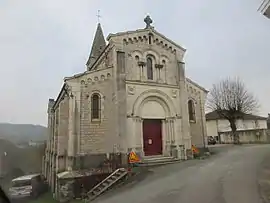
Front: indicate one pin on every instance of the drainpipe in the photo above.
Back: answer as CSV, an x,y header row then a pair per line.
x,y
202,114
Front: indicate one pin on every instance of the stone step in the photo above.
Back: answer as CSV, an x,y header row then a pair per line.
x,y
158,161
160,158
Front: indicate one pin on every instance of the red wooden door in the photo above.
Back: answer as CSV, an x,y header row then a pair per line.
x,y
152,137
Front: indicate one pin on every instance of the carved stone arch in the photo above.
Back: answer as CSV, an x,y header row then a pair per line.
x,y
102,77
164,58
138,53
102,101
193,99
151,52
135,39
89,80
162,98
130,40
191,104
96,91
161,108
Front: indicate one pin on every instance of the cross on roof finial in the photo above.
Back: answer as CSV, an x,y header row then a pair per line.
x,y
148,21
99,16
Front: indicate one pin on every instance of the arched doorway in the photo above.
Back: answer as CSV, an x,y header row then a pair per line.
x,y
153,112
154,120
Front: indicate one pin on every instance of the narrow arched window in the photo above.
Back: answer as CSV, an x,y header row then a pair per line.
x,y
191,110
149,65
95,108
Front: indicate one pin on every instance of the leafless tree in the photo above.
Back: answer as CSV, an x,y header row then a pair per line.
x,y
231,100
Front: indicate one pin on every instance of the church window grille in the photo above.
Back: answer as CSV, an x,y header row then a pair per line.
x,y
95,106
149,68
191,110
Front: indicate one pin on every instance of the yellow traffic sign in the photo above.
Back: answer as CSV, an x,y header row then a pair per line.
x,y
133,157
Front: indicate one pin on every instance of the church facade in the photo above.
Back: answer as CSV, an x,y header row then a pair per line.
x,y
134,96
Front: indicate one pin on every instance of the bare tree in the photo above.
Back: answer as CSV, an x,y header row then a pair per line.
x,y
231,100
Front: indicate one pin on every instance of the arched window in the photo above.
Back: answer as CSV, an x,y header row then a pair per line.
x,y
95,106
191,110
149,65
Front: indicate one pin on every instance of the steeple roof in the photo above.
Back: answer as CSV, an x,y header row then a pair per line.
x,y
98,46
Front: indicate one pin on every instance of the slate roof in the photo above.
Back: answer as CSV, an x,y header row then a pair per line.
x,y
215,116
98,46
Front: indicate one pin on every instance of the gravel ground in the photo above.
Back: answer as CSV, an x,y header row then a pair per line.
x,y
231,176
264,179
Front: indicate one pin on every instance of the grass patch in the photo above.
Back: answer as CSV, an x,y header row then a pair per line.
x,y
47,198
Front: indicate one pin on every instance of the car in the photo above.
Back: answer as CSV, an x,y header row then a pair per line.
x,y
27,186
211,141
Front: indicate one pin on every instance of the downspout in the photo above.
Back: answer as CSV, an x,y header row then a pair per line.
x,y
202,114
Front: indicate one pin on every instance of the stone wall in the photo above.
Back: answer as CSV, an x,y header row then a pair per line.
x,y
162,52
248,136
97,136
197,126
147,42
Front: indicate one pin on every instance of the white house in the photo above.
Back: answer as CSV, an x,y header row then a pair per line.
x,y
265,8
251,128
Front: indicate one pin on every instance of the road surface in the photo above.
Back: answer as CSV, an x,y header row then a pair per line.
x,y
228,177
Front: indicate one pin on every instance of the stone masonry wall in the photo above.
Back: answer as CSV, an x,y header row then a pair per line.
x,y
63,126
62,134
97,136
197,127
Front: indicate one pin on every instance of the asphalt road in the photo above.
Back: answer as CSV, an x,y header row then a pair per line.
x,y
228,177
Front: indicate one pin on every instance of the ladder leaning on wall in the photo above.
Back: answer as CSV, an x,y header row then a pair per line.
x,y
101,187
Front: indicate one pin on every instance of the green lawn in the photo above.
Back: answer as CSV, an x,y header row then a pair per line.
x,y
47,198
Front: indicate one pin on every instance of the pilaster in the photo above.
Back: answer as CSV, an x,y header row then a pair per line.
x,y
184,110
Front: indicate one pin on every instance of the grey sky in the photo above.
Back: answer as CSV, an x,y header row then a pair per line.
x,y
42,41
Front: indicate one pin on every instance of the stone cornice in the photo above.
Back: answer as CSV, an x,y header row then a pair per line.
x,y
151,84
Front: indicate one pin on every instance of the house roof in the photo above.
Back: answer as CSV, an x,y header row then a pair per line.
x,y
26,177
60,95
215,116
196,84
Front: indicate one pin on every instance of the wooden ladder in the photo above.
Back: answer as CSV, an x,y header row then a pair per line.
x,y
105,184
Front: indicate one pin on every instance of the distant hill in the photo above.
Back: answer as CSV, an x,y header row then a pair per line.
x,y
21,133
17,161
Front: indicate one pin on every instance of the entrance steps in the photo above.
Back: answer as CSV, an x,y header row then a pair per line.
x,y
158,160
106,184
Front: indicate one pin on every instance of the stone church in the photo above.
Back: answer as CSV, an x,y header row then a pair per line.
x,y
133,96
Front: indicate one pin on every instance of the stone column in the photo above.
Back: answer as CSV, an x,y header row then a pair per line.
x,y
120,88
139,136
131,129
71,132
166,138
202,108
50,135
184,109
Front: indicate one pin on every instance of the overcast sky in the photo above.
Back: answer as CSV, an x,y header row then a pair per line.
x,y
42,41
